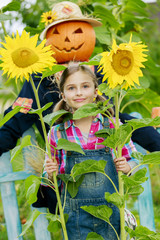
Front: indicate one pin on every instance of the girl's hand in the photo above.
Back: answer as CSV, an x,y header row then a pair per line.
x,y
121,164
51,167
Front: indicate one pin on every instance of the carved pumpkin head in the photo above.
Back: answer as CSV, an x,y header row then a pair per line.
x,y
71,41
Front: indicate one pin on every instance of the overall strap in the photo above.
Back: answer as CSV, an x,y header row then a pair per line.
x,y
106,122
105,126
63,131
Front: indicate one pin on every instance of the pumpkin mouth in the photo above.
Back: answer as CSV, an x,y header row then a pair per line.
x,y
69,50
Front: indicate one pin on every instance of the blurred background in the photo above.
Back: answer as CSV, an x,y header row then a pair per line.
x,y
119,18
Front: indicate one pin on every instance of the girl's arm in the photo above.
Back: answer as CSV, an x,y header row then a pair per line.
x,y
50,167
130,161
53,164
126,162
121,164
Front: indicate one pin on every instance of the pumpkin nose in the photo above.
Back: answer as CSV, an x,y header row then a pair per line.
x,y
67,39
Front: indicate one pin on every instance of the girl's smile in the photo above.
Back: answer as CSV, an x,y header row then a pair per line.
x,y
79,100
79,89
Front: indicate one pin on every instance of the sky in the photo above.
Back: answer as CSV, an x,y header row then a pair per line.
x,y
16,25
5,2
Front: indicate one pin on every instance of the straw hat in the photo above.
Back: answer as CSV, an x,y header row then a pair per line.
x,y
68,11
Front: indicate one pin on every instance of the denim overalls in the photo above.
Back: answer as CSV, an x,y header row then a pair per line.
x,y
91,192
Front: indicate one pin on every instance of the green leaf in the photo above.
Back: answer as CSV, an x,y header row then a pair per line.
x,y
26,141
88,166
133,183
143,233
66,217
65,177
103,212
137,155
106,16
134,92
114,198
54,226
142,104
32,184
152,158
136,6
56,68
96,58
4,17
10,115
103,36
104,88
51,118
73,186
152,66
54,222
119,137
90,109
135,179
52,217
12,6
138,123
33,31
93,63
105,132
42,109
69,146
135,190
33,216
94,236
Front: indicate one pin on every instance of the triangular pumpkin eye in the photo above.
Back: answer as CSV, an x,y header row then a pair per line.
x,y
55,31
78,30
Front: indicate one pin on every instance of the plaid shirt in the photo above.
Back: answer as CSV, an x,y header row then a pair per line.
x,y
74,135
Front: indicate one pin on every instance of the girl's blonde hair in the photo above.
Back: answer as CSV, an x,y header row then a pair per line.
x,y
71,69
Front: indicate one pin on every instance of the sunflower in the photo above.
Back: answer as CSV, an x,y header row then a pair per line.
x,y
122,64
48,17
21,56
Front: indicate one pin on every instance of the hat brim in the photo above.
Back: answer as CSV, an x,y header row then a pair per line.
x,y
92,21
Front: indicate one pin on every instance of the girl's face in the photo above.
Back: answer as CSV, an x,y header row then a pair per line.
x,y
79,89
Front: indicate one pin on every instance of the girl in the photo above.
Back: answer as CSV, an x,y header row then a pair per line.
x,y
78,86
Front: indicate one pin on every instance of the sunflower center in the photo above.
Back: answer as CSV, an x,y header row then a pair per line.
x,y
24,57
49,17
122,62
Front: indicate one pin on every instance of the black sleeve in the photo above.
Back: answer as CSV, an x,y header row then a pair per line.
x,y
146,137
20,122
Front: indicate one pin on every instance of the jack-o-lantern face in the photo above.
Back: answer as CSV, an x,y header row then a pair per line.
x,y
71,41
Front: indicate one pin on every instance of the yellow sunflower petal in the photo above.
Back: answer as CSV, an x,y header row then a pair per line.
x,y
21,57
48,17
121,66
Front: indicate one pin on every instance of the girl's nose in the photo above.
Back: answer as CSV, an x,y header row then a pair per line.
x,y
79,92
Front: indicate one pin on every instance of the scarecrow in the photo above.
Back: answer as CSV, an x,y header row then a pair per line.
x,y
72,37
70,33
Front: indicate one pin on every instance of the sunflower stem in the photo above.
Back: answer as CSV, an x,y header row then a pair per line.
x,y
4,29
121,184
50,156
128,103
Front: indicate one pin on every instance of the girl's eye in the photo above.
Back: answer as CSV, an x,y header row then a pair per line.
x,y
85,86
70,88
